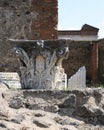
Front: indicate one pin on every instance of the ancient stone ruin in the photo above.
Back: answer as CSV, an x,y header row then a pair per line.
x,y
78,80
41,63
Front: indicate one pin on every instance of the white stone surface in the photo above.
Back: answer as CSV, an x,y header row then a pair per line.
x,y
40,64
11,79
78,37
64,82
60,78
78,80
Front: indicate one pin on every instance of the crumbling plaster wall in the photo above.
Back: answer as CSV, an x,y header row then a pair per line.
x,y
15,22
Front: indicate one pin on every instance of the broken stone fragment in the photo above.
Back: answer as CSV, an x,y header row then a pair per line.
x,y
16,103
18,119
41,123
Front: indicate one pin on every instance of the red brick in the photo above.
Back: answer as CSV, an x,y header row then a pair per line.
x,y
48,18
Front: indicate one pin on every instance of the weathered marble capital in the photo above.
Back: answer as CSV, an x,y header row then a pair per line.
x,y
41,63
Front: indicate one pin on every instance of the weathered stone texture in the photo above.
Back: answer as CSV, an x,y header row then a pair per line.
x,y
28,19
87,104
39,109
41,63
19,19
15,23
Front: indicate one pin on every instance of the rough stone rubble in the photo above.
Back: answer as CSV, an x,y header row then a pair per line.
x,y
52,110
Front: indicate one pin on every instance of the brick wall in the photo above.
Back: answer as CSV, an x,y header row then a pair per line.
x,y
44,22
101,61
88,54
79,55
94,61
